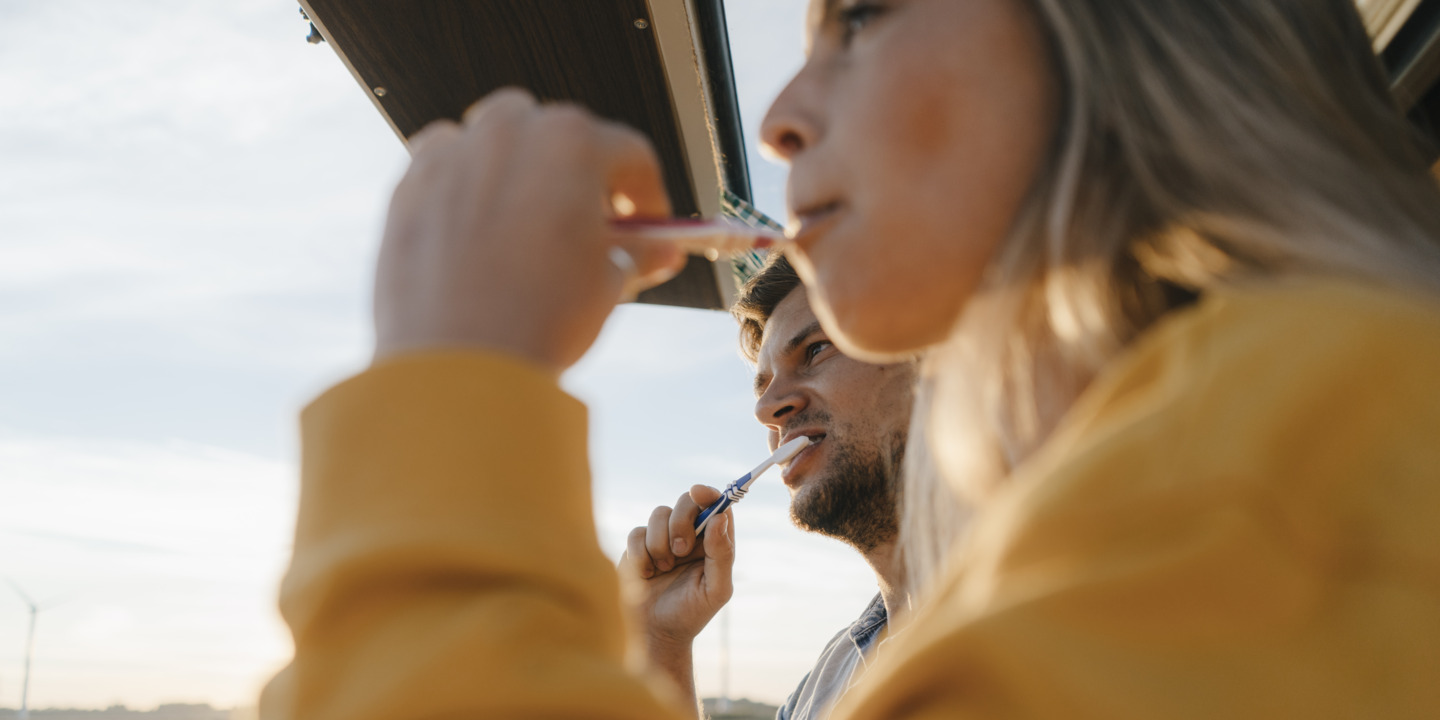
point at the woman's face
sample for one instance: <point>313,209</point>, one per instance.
<point>914,131</point>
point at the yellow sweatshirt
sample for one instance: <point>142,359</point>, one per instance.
<point>1239,519</point>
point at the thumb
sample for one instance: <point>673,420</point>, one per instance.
<point>655,262</point>
<point>720,558</point>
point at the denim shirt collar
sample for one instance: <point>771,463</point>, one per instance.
<point>868,627</point>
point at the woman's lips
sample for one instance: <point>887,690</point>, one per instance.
<point>791,476</point>
<point>809,223</point>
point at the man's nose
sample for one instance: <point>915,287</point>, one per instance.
<point>779,402</point>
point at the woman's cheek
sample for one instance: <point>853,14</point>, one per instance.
<point>823,289</point>
<point>878,312</point>
<point>923,118</point>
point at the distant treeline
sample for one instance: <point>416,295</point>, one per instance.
<point>170,711</point>
<point>738,710</point>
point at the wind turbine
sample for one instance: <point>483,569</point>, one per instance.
<point>724,705</point>
<point>29,650</point>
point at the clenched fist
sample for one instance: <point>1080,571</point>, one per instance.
<point>498,234</point>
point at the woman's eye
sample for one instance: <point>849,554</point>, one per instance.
<point>853,19</point>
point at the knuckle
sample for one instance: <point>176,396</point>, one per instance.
<point>623,134</point>
<point>630,143</point>
<point>569,124</point>
<point>511,94</point>
<point>433,134</point>
<point>437,126</point>
<point>569,114</point>
<point>504,108</point>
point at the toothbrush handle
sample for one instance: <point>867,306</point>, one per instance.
<point>732,494</point>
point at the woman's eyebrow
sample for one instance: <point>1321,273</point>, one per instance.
<point>818,21</point>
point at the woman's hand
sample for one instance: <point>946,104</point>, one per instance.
<point>498,235</point>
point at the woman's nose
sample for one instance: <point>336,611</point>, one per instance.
<point>787,129</point>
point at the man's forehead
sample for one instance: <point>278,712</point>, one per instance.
<point>790,316</point>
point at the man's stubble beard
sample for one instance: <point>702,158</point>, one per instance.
<point>857,501</point>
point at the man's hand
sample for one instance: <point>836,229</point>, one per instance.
<point>675,583</point>
<point>498,235</point>
<point>686,582</point>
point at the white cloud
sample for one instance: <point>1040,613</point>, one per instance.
<point>765,38</point>
<point>185,71</point>
<point>161,564</point>
<point>191,200</point>
<point>185,164</point>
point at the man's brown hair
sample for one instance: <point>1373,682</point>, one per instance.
<point>758,299</point>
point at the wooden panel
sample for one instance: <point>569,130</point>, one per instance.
<point>435,58</point>
<point>1412,58</point>
<point>729,134</point>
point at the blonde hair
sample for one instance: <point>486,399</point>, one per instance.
<point>1201,143</point>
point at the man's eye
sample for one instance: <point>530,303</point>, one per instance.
<point>815,348</point>
<point>853,19</point>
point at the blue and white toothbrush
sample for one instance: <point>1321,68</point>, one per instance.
<point>736,490</point>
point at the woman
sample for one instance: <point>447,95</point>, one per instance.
<point>1177,267</point>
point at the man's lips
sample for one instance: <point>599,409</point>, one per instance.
<point>816,438</point>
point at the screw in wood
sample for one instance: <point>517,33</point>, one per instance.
<point>380,92</point>
<point>642,23</point>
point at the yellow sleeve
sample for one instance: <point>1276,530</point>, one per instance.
<point>1243,522</point>
<point>445,560</point>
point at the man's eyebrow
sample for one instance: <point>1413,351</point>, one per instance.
<point>763,379</point>
<point>799,338</point>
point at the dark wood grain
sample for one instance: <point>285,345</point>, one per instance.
<point>436,57</point>
<point>1413,61</point>
<point>729,134</point>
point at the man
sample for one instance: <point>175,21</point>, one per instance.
<point>844,485</point>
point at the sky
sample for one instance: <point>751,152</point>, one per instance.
<point>191,199</point>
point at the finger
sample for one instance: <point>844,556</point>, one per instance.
<point>633,169</point>
<point>437,133</point>
<point>704,495</point>
<point>505,101</point>
<point>636,556</point>
<point>720,557</point>
<point>493,128</point>
<point>624,262</point>
<point>634,177</point>
<point>682,520</point>
<point>428,150</point>
<point>682,526</point>
<point>654,263</point>
<point>657,539</point>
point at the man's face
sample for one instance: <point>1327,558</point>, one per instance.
<point>845,483</point>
